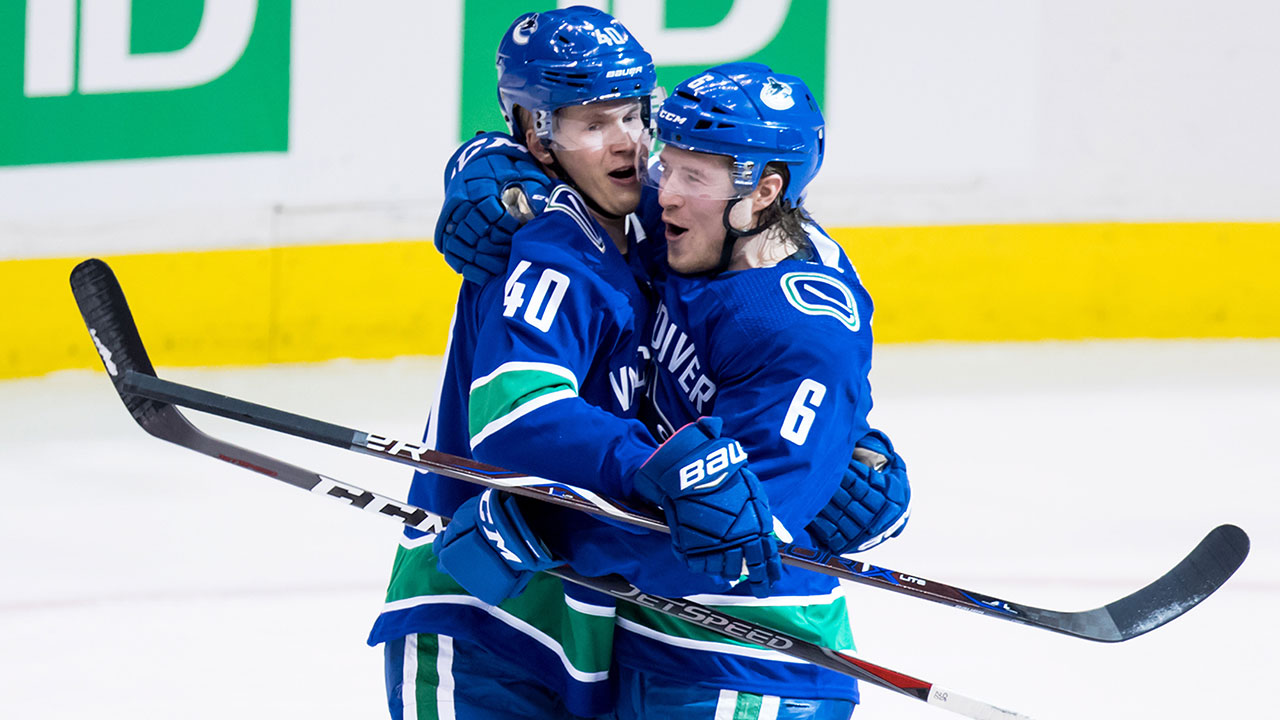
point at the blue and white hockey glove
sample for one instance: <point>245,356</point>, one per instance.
<point>716,508</point>
<point>489,549</point>
<point>492,186</point>
<point>872,503</point>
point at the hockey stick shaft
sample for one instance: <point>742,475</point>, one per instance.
<point>110,325</point>
<point>1198,575</point>
<point>694,613</point>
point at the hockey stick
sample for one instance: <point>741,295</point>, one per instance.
<point>1198,575</point>
<point>1193,579</point>
<point>115,335</point>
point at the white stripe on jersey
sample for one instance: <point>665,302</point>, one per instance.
<point>726,704</point>
<point>588,609</point>
<point>444,671</point>
<point>516,366</point>
<point>409,543</point>
<point>828,250</point>
<point>518,413</point>
<point>634,228</point>
<point>507,618</point>
<point>409,679</point>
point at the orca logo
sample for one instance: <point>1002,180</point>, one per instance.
<point>816,294</point>
<point>525,30</point>
<point>777,95</point>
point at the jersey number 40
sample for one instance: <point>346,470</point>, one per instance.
<point>545,302</point>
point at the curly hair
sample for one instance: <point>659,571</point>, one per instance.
<point>789,219</point>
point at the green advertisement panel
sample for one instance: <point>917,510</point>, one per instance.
<point>790,37</point>
<point>84,80</point>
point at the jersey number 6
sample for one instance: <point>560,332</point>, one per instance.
<point>547,294</point>
<point>803,411</point>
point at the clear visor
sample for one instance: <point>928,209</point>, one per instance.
<point>601,125</point>
<point>693,174</point>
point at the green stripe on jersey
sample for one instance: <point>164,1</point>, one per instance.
<point>824,623</point>
<point>502,394</point>
<point>586,639</point>
<point>426,681</point>
<point>747,707</point>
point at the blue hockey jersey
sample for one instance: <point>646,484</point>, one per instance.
<point>543,376</point>
<point>782,355</point>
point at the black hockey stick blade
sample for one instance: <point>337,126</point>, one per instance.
<point>106,313</point>
<point>114,334</point>
<point>1209,565</point>
<point>1203,571</point>
<point>111,327</point>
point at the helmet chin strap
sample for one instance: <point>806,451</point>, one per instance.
<point>731,237</point>
<point>567,179</point>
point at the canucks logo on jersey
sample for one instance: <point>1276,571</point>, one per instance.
<point>816,294</point>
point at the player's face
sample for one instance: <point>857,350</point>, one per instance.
<point>694,189</point>
<point>601,146</point>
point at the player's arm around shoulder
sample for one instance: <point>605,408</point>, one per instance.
<point>492,186</point>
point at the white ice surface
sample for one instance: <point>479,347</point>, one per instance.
<point>141,580</point>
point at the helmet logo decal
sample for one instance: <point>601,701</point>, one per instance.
<point>521,33</point>
<point>817,294</point>
<point>777,95</point>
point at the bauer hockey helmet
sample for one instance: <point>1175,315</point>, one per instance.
<point>572,56</point>
<point>753,115</point>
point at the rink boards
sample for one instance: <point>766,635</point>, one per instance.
<point>385,299</point>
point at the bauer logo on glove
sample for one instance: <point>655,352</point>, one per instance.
<point>715,506</point>
<point>720,461</point>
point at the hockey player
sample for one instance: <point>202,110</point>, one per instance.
<point>542,373</point>
<point>759,324</point>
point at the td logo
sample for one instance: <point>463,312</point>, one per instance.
<point>684,38</point>
<point>119,79</point>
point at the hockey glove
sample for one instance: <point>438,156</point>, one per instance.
<point>492,186</point>
<point>489,549</point>
<point>872,503</point>
<point>716,508</point>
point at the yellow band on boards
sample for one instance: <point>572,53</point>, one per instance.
<point>1070,281</point>
<point>380,300</point>
<point>240,307</point>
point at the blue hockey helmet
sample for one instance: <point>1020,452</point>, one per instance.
<point>571,56</point>
<point>753,115</point>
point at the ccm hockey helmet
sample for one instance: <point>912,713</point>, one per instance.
<point>753,115</point>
